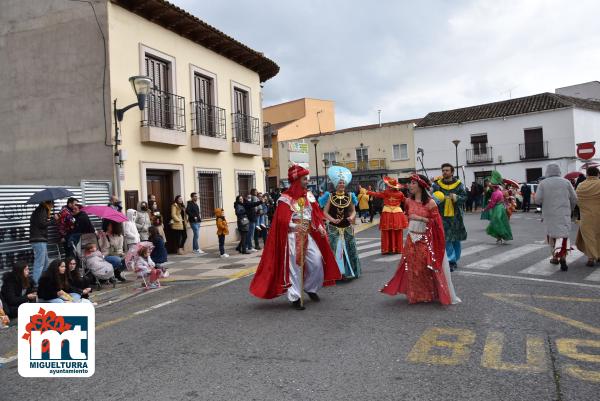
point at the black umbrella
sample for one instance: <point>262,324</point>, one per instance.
<point>49,194</point>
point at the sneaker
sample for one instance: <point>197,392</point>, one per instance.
<point>199,252</point>
<point>257,228</point>
<point>264,227</point>
<point>224,255</point>
<point>152,286</point>
<point>252,250</point>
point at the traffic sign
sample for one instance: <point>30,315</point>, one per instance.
<point>586,150</point>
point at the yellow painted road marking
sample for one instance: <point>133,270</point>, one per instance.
<point>535,349</point>
<point>552,297</point>
<point>552,315</point>
<point>570,348</point>
<point>460,351</point>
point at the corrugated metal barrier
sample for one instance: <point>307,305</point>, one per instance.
<point>14,219</point>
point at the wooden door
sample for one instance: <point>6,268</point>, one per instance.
<point>160,184</point>
<point>241,110</point>
<point>203,95</point>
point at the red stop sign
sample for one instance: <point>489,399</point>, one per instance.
<point>586,150</point>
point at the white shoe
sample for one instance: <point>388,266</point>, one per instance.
<point>199,252</point>
<point>224,255</point>
<point>252,250</point>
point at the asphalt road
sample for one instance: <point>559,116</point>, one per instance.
<point>532,335</point>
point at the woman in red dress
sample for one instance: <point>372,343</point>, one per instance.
<point>393,220</point>
<point>423,273</point>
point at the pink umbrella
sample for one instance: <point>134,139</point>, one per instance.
<point>105,212</point>
<point>573,175</point>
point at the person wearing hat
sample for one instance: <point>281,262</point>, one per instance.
<point>297,257</point>
<point>393,221</point>
<point>340,213</point>
<point>423,273</point>
<point>499,226</point>
<point>454,197</point>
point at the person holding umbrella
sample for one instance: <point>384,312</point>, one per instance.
<point>39,221</point>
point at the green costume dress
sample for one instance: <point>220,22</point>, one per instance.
<point>452,214</point>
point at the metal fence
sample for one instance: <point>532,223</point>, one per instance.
<point>14,219</point>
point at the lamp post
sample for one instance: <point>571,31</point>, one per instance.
<point>325,166</point>
<point>141,86</point>
<point>456,142</point>
<point>315,141</point>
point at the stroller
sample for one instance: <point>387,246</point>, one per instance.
<point>81,263</point>
<point>131,261</point>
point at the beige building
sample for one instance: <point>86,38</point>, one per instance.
<point>201,127</point>
<point>293,120</point>
<point>370,152</point>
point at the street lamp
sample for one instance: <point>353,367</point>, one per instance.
<point>141,87</point>
<point>315,141</point>
<point>325,165</point>
<point>456,142</point>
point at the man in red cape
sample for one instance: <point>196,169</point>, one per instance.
<point>297,235</point>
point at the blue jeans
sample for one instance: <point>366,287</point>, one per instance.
<point>221,244</point>
<point>250,234</point>
<point>116,262</point>
<point>196,231</point>
<point>453,250</point>
<point>40,259</point>
<point>76,298</point>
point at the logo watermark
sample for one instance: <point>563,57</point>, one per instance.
<point>56,340</point>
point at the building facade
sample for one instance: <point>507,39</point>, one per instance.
<point>517,137</point>
<point>370,152</point>
<point>201,127</point>
<point>293,120</point>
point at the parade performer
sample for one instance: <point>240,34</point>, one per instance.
<point>340,212</point>
<point>499,226</point>
<point>450,208</point>
<point>297,256</point>
<point>393,220</point>
<point>487,194</point>
<point>424,272</point>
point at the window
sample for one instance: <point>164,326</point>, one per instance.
<point>534,146</point>
<point>209,192</point>
<point>479,143</point>
<point>400,152</point>
<point>245,182</point>
<point>533,174</point>
<point>362,158</point>
<point>330,157</point>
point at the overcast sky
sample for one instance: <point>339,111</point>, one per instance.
<point>408,58</point>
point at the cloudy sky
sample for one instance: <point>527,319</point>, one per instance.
<point>407,57</point>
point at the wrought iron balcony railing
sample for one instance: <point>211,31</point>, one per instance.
<point>164,110</point>
<point>533,150</point>
<point>245,128</point>
<point>363,165</point>
<point>480,155</point>
<point>208,120</point>
<point>268,132</point>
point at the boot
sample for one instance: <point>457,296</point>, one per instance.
<point>119,276</point>
<point>296,305</point>
<point>313,296</point>
<point>563,264</point>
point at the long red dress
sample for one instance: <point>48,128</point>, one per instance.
<point>420,274</point>
<point>393,220</point>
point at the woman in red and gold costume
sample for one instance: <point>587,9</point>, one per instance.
<point>297,257</point>
<point>393,220</point>
<point>424,272</point>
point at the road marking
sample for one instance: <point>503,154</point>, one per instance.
<point>391,258</point>
<point>546,313</point>
<point>535,350</point>
<point>459,348</point>
<point>360,248</point>
<point>8,359</point>
<point>569,348</point>
<point>370,253</point>
<point>595,276</point>
<point>154,307</point>
<point>539,280</point>
<point>545,268</point>
<point>475,249</point>
<point>488,263</point>
<point>552,297</point>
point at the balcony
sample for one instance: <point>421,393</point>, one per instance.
<point>208,127</point>
<point>246,139</point>
<point>363,165</point>
<point>480,155</point>
<point>533,150</point>
<point>164,119</point>
<point>268,132</point>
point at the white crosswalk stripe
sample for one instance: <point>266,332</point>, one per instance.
<point>508,255</point>
<point>595,276</point>
<point>391,258</point>
<point>545,268</point>
<point>367,246</point>
<point>369,253</point>
<point>475,249</point>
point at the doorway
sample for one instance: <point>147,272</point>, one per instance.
<point>160,184</point>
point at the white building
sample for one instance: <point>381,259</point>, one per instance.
<point>517,137</point>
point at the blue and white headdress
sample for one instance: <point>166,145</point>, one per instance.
<point>339,173</point>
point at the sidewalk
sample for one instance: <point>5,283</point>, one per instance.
<point>192,267</point>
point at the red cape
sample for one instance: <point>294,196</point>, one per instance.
<point>272,273</point>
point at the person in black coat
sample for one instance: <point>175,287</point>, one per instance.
<point>242,223</point>
<point>159,253</point>
<point>54,286</point>
<point>77,283</point>
<point>193,212</point>
<point>38,237</point>
<point>17,289</point>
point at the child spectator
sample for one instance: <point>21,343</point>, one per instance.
<point>222,231</point>
<point>17,289</point>
<point>130,231</point>
<point>100,268</point>
<point>159,253</point>
<point>145,268</point>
